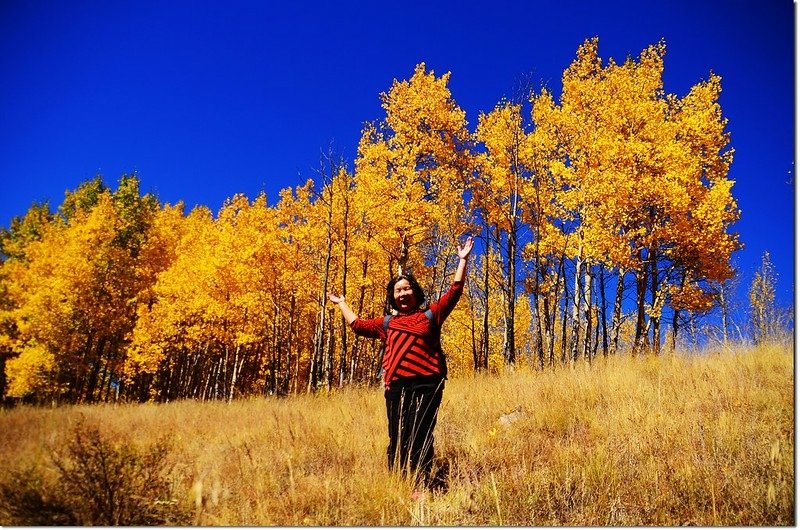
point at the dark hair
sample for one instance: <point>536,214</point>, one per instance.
<point>419,294</point>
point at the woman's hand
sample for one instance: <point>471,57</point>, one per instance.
<point>335,298</point>
<point>464,251</point>
<point>347,313</point>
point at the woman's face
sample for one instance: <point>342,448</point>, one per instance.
<point>404,296</point>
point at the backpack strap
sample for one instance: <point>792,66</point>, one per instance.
<point>438,339</point>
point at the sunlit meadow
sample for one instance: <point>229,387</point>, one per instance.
<point>680,439</point>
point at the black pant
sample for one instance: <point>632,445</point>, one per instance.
<point>412,408</point>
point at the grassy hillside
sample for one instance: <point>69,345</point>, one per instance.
<point>704,440</point>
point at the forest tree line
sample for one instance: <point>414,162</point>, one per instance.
<point>603,220</point>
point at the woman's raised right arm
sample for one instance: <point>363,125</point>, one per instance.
<point>347,313</point>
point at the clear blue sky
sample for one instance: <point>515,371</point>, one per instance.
<point>207,99</point>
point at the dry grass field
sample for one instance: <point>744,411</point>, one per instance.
<point>675,440</point>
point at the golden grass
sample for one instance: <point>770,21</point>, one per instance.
<point>704,440</point>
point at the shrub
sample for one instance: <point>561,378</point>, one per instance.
<point>27,498</point>
<point>97,482</point>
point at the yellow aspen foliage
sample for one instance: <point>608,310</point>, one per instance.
<point>764,314</point>
<point>32,371</point>
<point>643,173</point>
<point>459,340</point>
<point>690,297</point>
<point>161,248</point>
<point>73,294</point>
<point>24,231</point>
<point>704,231</point>
<point>172,318</point>
<point>524,340</point>
<point>607,125</point>
<point>503,183</point>
<point>413,166</point>
<point>614,175</point>
<point>513,193</point>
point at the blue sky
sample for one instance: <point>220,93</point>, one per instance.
<point>207,99</point>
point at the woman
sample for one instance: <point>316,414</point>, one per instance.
<point>414,364</point>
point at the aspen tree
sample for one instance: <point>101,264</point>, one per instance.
<point>502,185</point>
<point>763,314</point>
<point>645,179</point>
<point>13,248</point>
<point>413,166</point>
<point>71,294</point>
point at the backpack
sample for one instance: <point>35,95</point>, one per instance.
<point>438,345</point>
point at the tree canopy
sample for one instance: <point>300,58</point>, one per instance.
<point>613,185</point>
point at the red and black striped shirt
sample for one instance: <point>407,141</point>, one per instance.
<point>412,340</point>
